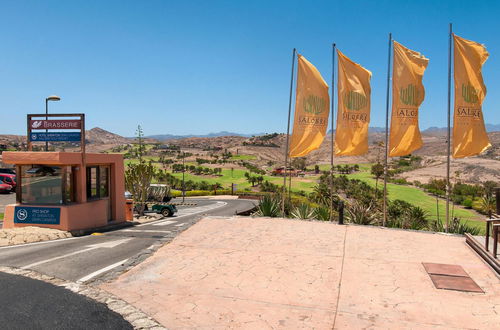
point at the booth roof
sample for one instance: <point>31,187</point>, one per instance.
<point>58,158</point>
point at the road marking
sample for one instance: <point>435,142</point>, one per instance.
<point>57,258</point>
<point>180,224</point>
<point>181,214</point>
<point>192,211</point>
<point>38,243</point>
<point>165,222</point>
<point>100,271</point>
<point>89,248</point>
<point>147,231</point>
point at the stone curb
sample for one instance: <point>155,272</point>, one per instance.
<point>138,319</point>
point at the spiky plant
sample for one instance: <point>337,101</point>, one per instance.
<point>322,213</point>
<point>269,206</point>
<point>455,227</point>
<point>302,211</point>
<point>361,214</point>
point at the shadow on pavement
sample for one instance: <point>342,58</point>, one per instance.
<point>33,304</point>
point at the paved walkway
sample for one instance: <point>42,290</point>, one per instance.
<point>256,273</point>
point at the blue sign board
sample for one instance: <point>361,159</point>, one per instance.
<point>37,215</point>
<point>56,137</point>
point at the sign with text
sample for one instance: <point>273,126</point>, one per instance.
<point>37,215</point>
<point>55,124</point>
<point>56,137</point>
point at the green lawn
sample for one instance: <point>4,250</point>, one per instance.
<point>243,157</point>
<point>238,176</point>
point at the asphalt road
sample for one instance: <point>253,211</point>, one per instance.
<point>103,257</point>
<point>31,304</point>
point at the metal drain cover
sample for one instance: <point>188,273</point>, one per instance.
<point>451,277</point>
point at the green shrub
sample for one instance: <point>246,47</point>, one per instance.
<point>401,214</point>
<point>467,203</point>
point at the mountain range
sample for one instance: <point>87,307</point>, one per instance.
<point>374,129</point>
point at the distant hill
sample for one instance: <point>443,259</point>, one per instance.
<point>442,130</point>
<point>98,135</point>
<point>164,137</point>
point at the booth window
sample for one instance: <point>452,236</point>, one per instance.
<point>46,184</point>
<point>97,182</point>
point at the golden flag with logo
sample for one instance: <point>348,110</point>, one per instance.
<point>407,94</point>
<point>353,114</point>
<point>469,133</point>
<point>311,110</point>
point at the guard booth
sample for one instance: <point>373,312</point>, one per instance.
<point>66,190</point>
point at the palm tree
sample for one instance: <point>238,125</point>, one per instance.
<point>488,205</point>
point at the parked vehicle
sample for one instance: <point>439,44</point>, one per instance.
<point>5,188</point>
<point>157,202</point>
<point>8,170</point>
<point>9,179</point>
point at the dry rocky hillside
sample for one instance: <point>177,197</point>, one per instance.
<point>271,147</point>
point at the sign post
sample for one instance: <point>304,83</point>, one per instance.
<point>45,123</point>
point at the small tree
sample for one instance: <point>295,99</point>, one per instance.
<point>377,171</point>
<point>138,178</point>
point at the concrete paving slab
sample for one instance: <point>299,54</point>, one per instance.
<point>261,273</point>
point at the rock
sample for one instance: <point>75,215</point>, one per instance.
<point>30,234</point>
<point>32,238</point>
<point>17,239</point>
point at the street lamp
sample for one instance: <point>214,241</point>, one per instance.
<point>50,98</point>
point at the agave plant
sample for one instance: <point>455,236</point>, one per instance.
<point>269,206</point>
<point>322,213</point>
<point>360,214</point>
<point>302,211</point>
<point>455,227</point>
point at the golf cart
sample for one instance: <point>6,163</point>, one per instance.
<point>158,201</point>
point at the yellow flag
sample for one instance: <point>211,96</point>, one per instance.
<point>351,135</point>
<point>407,94</point>
<point>469,133</point>
<point>311,110</point>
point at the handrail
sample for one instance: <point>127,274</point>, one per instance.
<point>496,227</point>
<point>487,238</point>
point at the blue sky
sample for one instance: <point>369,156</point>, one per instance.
<point>194,67</point>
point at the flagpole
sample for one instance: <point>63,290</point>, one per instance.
<point>387,129</point>
<point>449,136</point>
<point>288,134</point>
<point>333,121</point>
